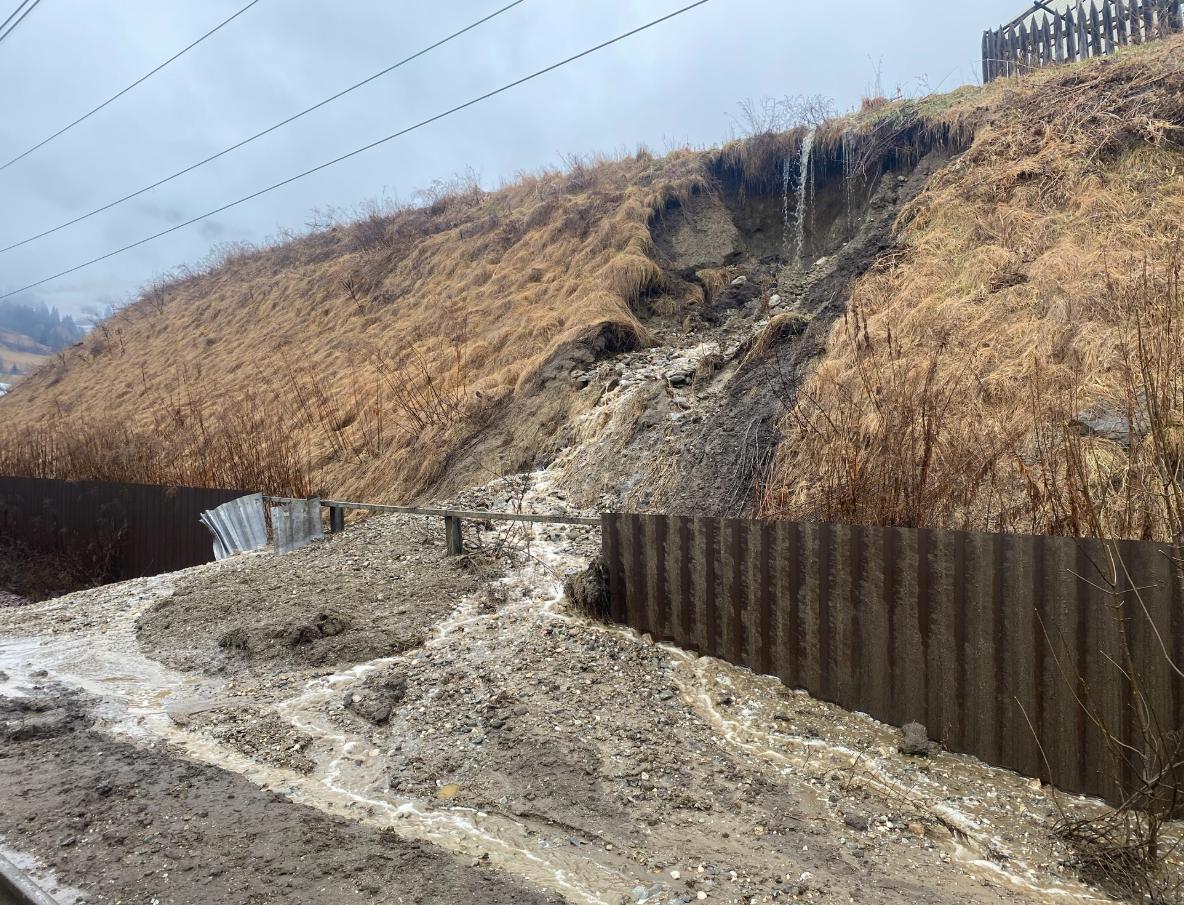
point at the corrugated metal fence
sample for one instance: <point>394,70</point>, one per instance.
<point>973,635</point>
<point>136,529</point>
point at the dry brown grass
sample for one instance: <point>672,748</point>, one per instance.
<point>378,346</point>
<point>1031,273</point>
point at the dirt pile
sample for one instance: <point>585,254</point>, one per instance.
<point>374,591</point>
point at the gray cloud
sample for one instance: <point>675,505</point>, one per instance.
<point>678,82</point>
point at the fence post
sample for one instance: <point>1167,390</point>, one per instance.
<point>336,519</point>
<point>456,544</point>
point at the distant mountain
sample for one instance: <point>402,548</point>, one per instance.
<point>41,324</point>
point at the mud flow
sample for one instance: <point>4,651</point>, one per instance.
<point>518,749</point>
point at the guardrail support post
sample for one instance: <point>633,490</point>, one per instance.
<point>336,519</point>
<point>456,544</point>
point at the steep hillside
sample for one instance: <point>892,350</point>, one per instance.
<point>958,310</point>
<point>1016,363</point>
<point>376,346</point>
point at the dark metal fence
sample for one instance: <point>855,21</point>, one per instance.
<point>976,636</point>
<point>1049,37</point>
<point>127,530</point>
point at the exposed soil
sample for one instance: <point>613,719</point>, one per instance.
<point>714,465</point>
<point>374,591</point>
<point>130,823</point>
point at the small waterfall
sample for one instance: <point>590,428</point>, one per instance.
<point>805,188</point>
<point>786,179</point>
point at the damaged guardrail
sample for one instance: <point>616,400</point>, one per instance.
<point>452,517</point>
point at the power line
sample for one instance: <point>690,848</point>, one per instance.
<point>268,130</point>
<point>5,34</point>
<point>119,94</point>
<point>12,15</point>
<point>364,148</point>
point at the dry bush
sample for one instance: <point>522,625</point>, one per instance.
<point>235,447</point>
<point>771,115</point>
<point>49,572</point>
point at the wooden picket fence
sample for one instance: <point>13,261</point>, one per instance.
<point>1076,34</point>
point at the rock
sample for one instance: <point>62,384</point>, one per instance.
<point>739,281</point>
<point>774,300</point>
<point>378,698</point>
<point>856,821</point>
<point>1113,426</point>
<point>588,591</point>
<point>914,741</point>
<point>680,379</point>
<point>735,296</point>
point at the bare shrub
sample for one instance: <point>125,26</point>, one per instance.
<point>770,115</point>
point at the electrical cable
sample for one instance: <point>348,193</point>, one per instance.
<point>267,131</point>
<point>364,148</point>
<point>120,94</point>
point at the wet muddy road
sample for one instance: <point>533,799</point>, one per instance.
<point>506,749</point>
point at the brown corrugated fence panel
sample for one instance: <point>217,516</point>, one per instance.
<point>992,641</point>
<point>148,529</point>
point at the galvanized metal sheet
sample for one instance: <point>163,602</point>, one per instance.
<point>296,524</point>
<point>238,526</point>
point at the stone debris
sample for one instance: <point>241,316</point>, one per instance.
<point>914,741</point>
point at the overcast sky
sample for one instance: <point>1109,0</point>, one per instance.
<point>678,83</point>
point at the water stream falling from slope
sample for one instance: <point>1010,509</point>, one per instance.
<point>805,184</point>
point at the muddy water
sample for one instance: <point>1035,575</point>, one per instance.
<point>135,693</point>
<point>350,777</point>
<point>138,694</point>
<point>968,835</point>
